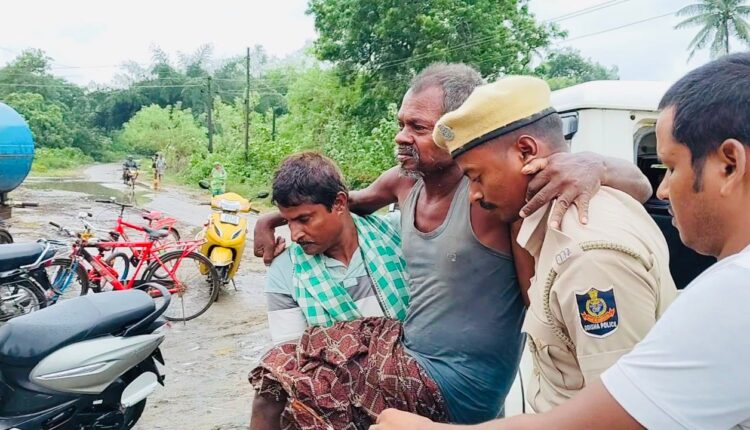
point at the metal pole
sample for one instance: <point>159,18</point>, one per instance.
<point>210,118</point>
<point>247,106</point>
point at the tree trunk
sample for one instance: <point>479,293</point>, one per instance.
<point>726,41</point>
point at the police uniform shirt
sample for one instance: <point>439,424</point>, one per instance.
<point>692,371</point>
<point>598,289</point>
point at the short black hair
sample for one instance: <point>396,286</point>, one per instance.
<point>307,177</point>
<point>550,129</point>
<point>711,104</point>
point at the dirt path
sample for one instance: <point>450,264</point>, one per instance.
<point>207,360</point>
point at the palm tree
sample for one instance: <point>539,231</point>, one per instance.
<point>720,19</point>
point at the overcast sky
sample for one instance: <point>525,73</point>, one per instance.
<point>89,39</point>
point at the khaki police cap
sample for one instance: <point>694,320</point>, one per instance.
<point>493,110</point>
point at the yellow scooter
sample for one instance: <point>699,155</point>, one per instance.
<point>225,233</point>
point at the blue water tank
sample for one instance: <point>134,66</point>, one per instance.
<point>16,149</point>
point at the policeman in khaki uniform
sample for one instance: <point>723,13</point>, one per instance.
<point>599,287</point>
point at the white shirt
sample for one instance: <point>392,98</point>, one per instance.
<point>692,371</point>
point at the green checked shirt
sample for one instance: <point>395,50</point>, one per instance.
<point>286,318</point>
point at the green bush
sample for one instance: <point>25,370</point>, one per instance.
<point>49,159</point>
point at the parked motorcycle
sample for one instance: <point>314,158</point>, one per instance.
<point>23,280</point>
<point>226,232</point>
<point>5,236</point>
<point>85,363</point>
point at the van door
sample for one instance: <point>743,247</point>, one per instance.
<point>684,263</point>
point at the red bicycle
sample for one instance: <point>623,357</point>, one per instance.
<point>188,275</point>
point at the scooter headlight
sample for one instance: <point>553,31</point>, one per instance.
<point>237,234</point>
<point>217,231</point>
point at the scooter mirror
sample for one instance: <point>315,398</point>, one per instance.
<point>203,184</point>
<point>262,195</point>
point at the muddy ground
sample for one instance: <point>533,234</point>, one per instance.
<point>207,359</point>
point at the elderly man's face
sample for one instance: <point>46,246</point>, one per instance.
<point>416,152</point>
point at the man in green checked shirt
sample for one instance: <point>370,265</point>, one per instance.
<point>344,278</point>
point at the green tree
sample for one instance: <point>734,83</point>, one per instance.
<point>566,67</point>
<point>169,129</point>
<point>720,21</point>
<point>46,120</point>
<point>380,44</point>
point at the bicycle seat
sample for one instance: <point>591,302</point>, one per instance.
<point>25,340</point>
<point>153,216</point>
<point>15,255</point>
<point>155,234</point>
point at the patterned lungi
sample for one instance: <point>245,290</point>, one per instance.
<point>343,376</point>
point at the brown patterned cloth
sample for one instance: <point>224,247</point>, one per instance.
<point>343,376</point>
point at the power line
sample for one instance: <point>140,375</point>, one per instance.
<point>619,27</point>
<point>587,10</point>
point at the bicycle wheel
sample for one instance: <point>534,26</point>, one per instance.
<point>73,282</point>
<point>20,298</point>
<point>195,291</point>
<point>121,263</point>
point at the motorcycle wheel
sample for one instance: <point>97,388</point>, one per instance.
<point>32,298</point>
<point>5,237</point>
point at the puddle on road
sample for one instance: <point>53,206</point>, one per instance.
<point>94,190</point>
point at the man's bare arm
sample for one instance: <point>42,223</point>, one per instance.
<point>384,191</point>
<point>575,178</point>
<point>582,412</point>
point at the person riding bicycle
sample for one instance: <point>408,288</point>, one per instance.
<point>129,164</point>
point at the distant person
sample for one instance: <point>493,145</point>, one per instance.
<point>129,163</point>
<point>160,166</point>
<point>218,179</point>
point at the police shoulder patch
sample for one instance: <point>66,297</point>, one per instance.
<point>597,310</point>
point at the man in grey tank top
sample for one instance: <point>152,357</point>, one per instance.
<point>463,327</point>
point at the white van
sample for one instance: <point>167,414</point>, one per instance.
<point>617,119</point>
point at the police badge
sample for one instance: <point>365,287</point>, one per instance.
<point>446,132</point>
<point>598,312</point>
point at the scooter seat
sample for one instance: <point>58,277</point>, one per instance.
<point>15,255</point>
<point>25,340</point>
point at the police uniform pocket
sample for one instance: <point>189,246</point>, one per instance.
<point>555,362</point>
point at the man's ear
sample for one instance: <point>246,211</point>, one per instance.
<point>732,157</point>
<point>341,202</point>
<point>528,147</point>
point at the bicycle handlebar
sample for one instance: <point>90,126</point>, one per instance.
<point>125,205</point>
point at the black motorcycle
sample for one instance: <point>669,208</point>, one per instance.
<point>23,280</point>
<point>85,363</point>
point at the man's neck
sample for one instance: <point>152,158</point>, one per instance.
<point>348,242</point>
<point>442,183</point>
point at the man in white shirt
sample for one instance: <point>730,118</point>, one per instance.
<point>692,371</point>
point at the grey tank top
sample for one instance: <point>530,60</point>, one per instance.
<point>465,315</point>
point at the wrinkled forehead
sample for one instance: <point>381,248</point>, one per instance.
<point>425,104</point>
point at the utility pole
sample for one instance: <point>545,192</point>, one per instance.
<point>210,121</point>
<point>273,124</point>
<point>247,105</point>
